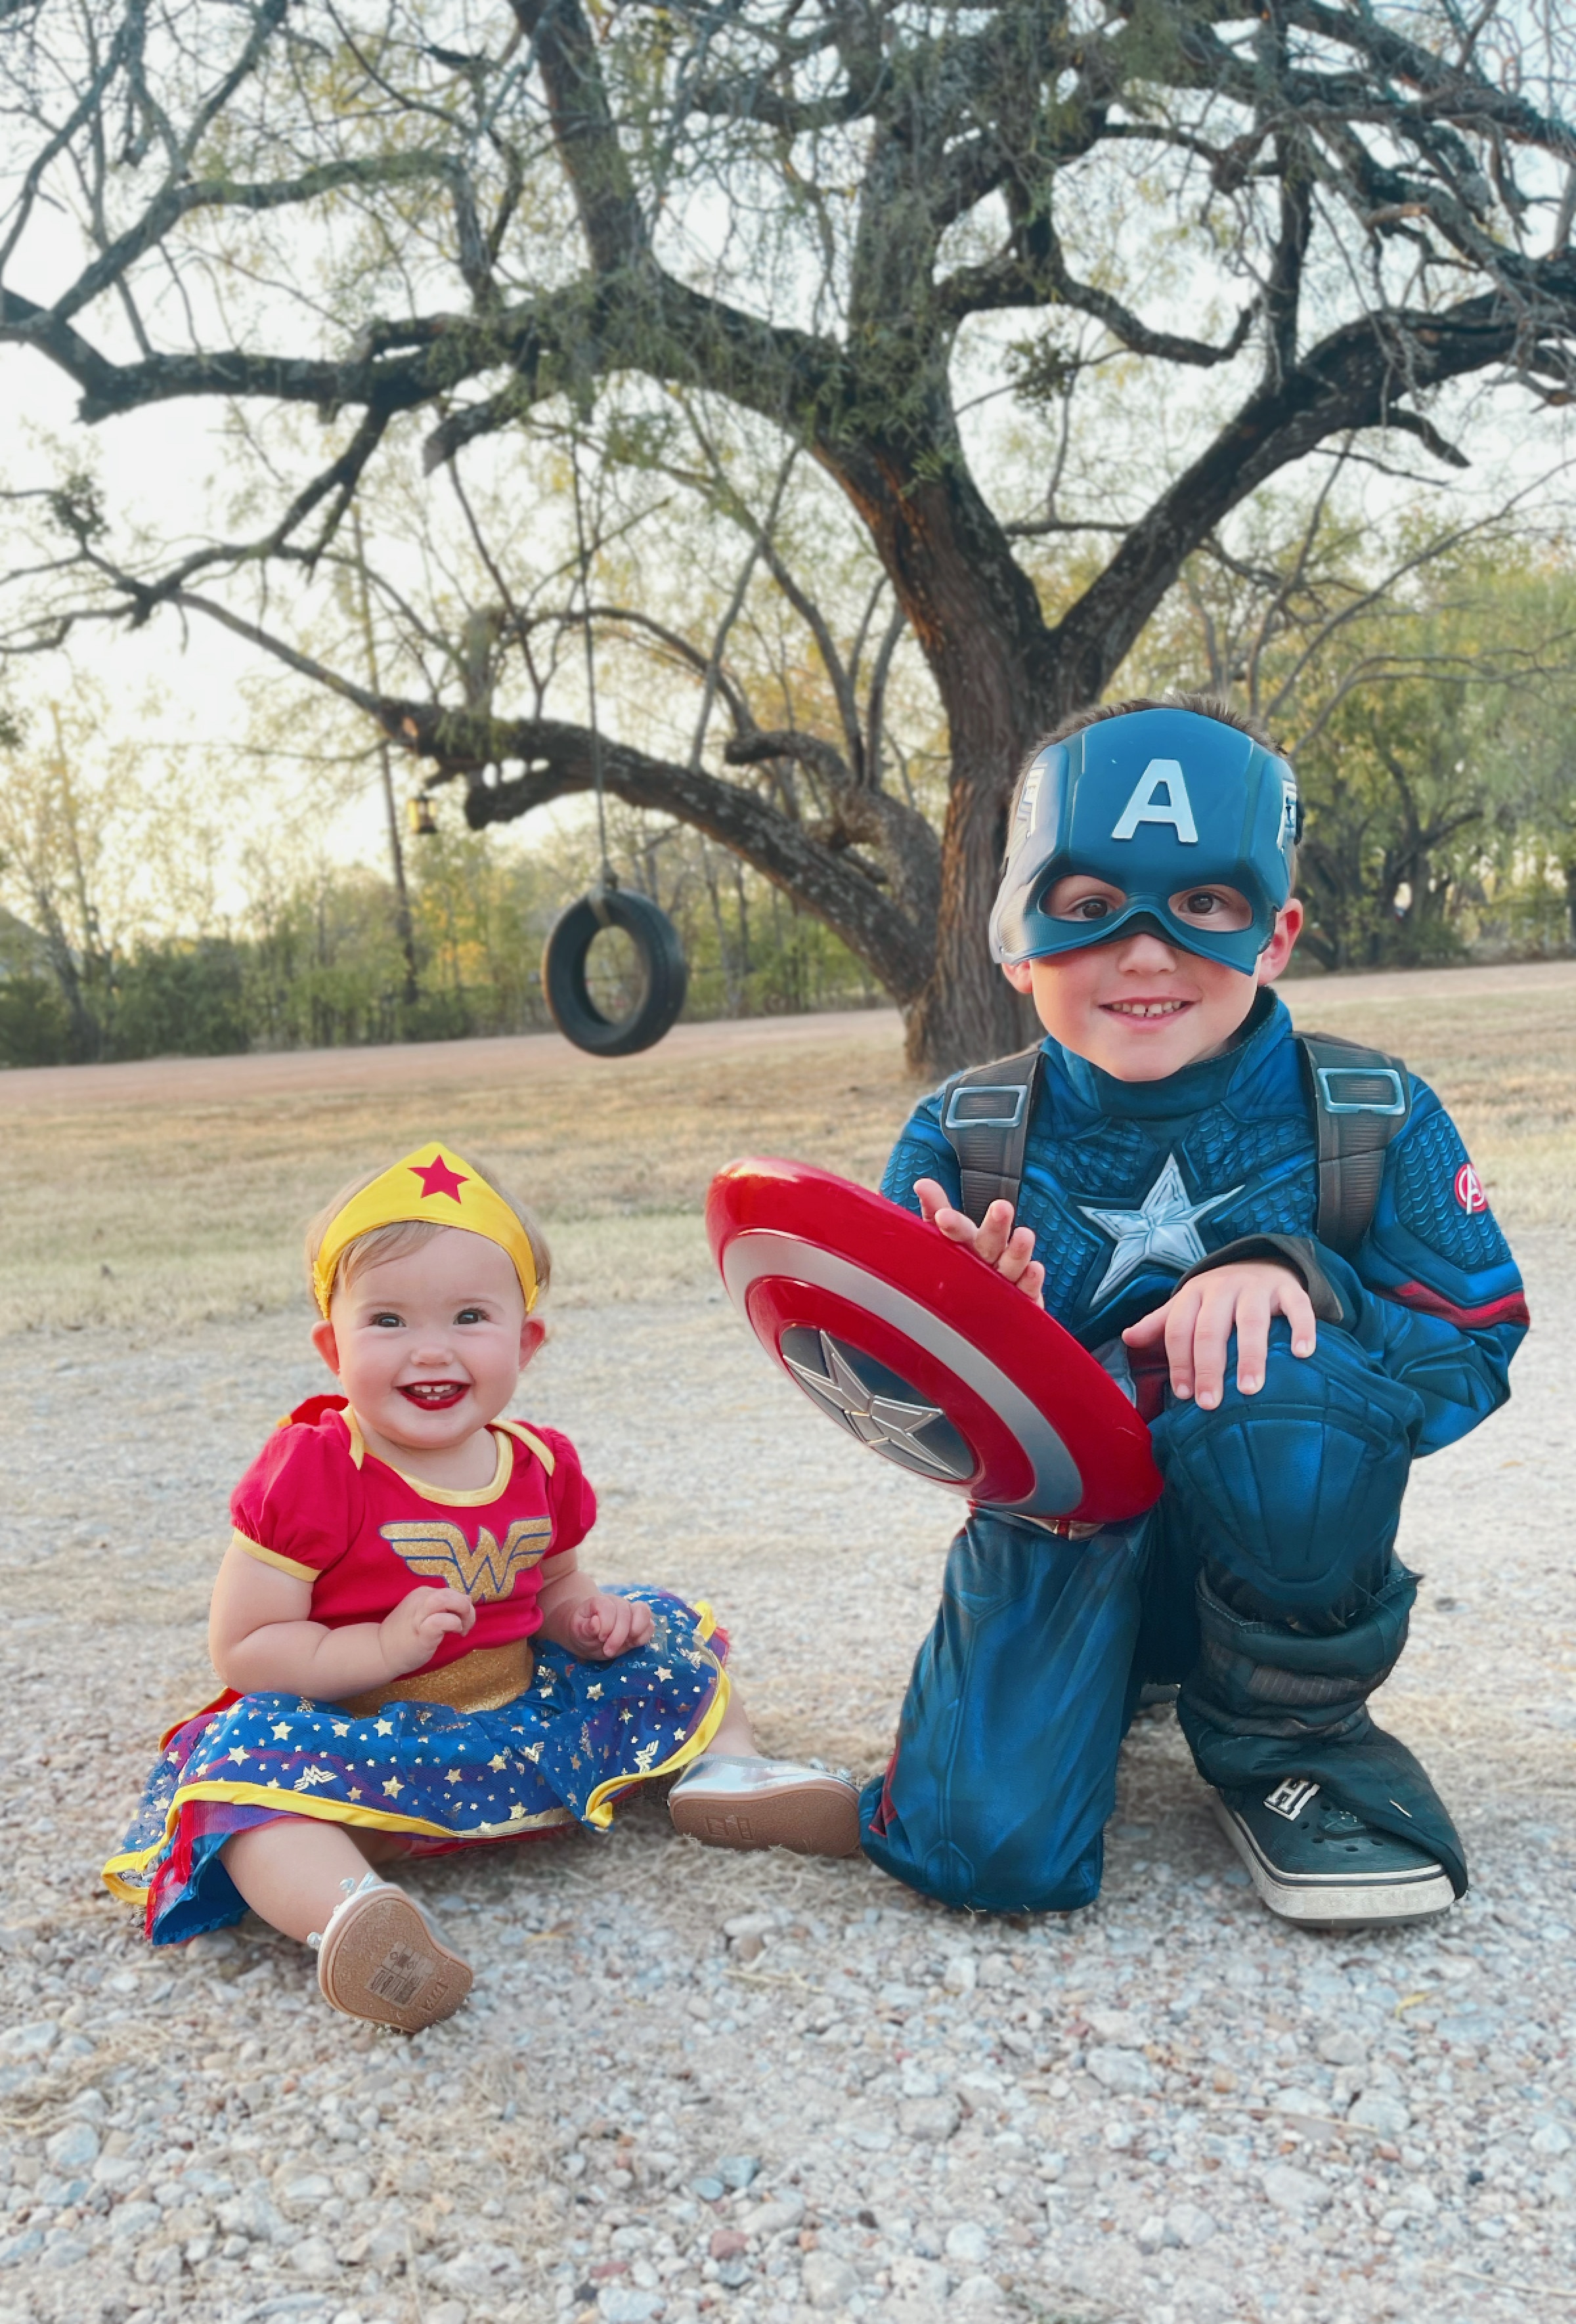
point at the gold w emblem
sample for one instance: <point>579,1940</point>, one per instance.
<point>437,1547</point>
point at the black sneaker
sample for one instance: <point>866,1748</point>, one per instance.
<point>1318,1864</point>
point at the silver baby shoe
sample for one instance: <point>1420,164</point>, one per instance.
<point>728,1802</point>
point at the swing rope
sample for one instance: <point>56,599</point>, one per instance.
<point>608,878</point>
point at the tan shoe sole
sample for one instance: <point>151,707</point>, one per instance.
<point>380,1961</point>
<point>818,1816</point>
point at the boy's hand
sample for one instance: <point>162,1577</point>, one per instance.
<point>1199,1320</point>
<point>1009,1250</point>
<point>604,1625</point>
<point>413,1633</point>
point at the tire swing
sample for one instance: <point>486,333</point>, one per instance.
<point>662,972</point>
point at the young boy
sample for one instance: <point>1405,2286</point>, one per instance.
<point>1296,1236</point>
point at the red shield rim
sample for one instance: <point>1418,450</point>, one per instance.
<point>1050,1433</point>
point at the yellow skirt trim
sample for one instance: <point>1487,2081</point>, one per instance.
<point>326,1812</point>
<point>599,1806</point>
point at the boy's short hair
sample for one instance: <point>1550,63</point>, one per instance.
<point>406,1235</point>
<point>1202,706</point>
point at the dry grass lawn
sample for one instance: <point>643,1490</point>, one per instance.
<point>136,1197</point>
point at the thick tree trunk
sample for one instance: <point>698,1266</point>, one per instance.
<point>968,1011</point>
<point>977,621</point>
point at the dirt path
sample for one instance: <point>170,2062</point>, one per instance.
<point>179,1081</point>
<point>525,1058</point>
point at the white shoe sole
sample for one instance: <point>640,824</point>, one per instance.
<point>1329,1902</point>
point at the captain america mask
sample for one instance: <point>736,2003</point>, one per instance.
<point>1158,805</point>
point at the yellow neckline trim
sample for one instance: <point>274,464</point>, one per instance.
<point>502,1469</point>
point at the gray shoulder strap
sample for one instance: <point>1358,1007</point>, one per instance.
<point>1361,1099</point>
<point>985,1119</point>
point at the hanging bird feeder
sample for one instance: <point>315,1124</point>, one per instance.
<point>649,1001</point>
<point>420,820</point>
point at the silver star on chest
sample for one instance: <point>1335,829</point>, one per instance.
<point>885,1423</point>
<point>1163,1228</point>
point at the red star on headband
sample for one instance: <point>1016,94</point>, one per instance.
<point>438,1178</point>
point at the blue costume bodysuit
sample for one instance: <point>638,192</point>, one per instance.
<point>1266,1579</point>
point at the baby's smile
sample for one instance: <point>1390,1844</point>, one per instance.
<point>1145,1007</point>
<point>435,1395</point>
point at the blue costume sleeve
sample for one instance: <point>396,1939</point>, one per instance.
<point>1433,1291</point>
<point>922,1151</point>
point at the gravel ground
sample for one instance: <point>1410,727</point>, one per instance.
<point>756,2090</point>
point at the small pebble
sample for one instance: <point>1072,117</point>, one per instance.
<point>1188,2227</point>
<point>74,2148</point>
<point>1290,2189</point>
<point>967,2244</point>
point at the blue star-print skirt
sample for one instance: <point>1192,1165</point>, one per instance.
<point>560,1752</point>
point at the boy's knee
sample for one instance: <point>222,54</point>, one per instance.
<point>1005,1771</point>
<point>971,1861</point>
<point>1296,1492</point>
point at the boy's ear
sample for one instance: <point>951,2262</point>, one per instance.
<point>1019,974</point>
<point>1273,959</point>
<point>532,1335</point>
<point>327,1346</point>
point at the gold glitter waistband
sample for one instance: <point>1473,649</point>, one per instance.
<point>483,1680</point>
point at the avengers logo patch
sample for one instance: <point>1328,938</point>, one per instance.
<point>1470,1189</point>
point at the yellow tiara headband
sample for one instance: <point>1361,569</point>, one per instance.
<point>433,1186</point>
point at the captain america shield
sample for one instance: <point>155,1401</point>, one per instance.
<point>923,1352</point>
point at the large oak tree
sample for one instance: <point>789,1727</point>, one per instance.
<point>1290,223</point>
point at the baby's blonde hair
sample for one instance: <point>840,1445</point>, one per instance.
<point>406,1235</point>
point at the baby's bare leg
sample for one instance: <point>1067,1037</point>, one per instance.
<point>291,1872</point>
<point>733,1733</point>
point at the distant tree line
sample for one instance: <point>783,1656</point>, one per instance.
<point>1426,697</point>
<point>318,962</point>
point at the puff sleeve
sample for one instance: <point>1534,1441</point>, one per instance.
<point>570,1501</point>
<point>292,1509</point>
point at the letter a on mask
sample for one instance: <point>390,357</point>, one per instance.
<point>1144,807</point>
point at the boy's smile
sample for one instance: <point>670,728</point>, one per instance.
<point>1139,1007</point>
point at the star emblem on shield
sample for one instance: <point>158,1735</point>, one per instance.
<point>886,1424</point>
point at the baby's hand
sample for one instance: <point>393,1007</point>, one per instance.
<point>1009,1250</point>
<point>412,1635</point>
<point>1197,1321</point>
<point>602,1626</point>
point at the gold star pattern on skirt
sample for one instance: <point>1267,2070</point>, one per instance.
<point>562,1752</point>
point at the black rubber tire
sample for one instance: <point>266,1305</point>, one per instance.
<point>563,973</point>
